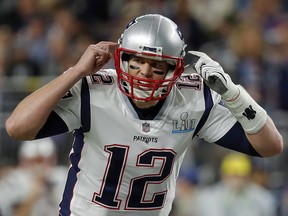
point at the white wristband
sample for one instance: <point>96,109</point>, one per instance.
<point>251,115</point>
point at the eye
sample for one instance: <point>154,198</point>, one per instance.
<point>159,65</point>
<point>159,68</point>
<point>133,67</point>
<point>138,60</point>
<point>158,72</point>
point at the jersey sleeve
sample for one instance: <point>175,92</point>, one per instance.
<point>69,107</point>
<point>235,139</point>
<point>219,121</point>
<point>49,128</point>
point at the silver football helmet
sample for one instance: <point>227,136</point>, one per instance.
<point>150,36</point>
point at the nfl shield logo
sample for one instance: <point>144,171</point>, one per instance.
<point>145,127</point>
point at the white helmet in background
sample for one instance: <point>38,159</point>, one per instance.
<point>150,36</point>
<point>43,148</point>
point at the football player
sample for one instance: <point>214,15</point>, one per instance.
<point>133,124</point>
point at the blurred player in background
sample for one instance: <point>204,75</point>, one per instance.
<point>133,125</point>
<point>36,185</point>
<point>235,194</point>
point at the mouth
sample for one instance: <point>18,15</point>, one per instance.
<point>143,85</point>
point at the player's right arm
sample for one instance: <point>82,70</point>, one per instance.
<point>32,112</point>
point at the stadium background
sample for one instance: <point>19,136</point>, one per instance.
<point>39,39</point>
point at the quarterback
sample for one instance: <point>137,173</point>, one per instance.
<point>133,124</point>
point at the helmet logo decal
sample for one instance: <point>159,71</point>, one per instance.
<point>150,49</point>
<point>130,24</point>
<point>180,34</point>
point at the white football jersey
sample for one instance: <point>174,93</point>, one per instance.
<point>127,166</point>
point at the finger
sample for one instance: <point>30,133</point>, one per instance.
<point>219,76</point>
<point>111,45</point>
<point>100,51</point>
<point>199,66</point>
<point>208,71</point>
<point>199,54</point>
<point>108,47</point>
<point>108,58</point>
<point>193,66</point>
<point>102,59</point>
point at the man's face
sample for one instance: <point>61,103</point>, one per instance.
<point>147,68</point>
<point>148,77</point>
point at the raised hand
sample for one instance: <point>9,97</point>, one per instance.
<point>214,75</point>
<point>95,57</point>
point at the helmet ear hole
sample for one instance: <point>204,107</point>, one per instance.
<point>171,67</point>
<point>125,57</point>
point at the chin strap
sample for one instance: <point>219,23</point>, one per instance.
<point>141,93</point>
<point>251,115</point>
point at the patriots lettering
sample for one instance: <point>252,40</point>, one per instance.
<point>145,139</point>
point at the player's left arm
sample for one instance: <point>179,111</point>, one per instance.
<point>259,128</point>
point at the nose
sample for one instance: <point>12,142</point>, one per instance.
<point>146,70</point>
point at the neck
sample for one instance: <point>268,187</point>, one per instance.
<point>144,104</point>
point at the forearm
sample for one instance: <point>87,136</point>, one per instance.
<point>268,141</point>
<point>31,113</point>
<point>258,126</point>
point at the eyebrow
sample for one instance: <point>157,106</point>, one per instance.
<point>147,59</point>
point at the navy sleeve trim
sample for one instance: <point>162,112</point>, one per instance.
<point>85,106</point>
<point>235,139</point>
<point>208,106</point>
<point>49,128</point>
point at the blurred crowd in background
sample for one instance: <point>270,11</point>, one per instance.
<point>40,39</point>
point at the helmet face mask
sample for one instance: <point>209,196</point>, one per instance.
<point>153,37</point>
